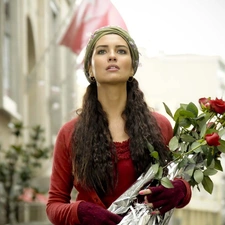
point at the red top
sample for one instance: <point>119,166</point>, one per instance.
<point>59,209</point>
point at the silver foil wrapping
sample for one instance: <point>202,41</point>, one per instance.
<point>138,213</point>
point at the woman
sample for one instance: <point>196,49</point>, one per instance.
<point>104,149</point>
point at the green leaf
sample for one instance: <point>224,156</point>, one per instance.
<point>176,156</point>
<point>155,155</point>
<point>202,120</point>
<point>196,146</point>
<point>209,172</point>
<point>186,114</point>
<point>198,188</point>
<point>187,177</point>
<point>183,147</point>
<point>187,138</point>
<point>166,182</point>
<point>198,176</point>
<point>195,134</point>
<point>203,131</point>
<point>188,171</point>
<point>168,111</point>
<point>210,157</point>
<point>176,128</point>
<point>177,114</point>
<point>184,163</point>
<point>192,108</point>
<point>150,147</point>
<point>159,173</point>
<point>212,165</point>
<point>207,184</point>
<point>221,147</point>
<point>218,165</point>
<point>155,168</point>
<point>184,122</point>
<point>173,144</point>
<point>183,106</point>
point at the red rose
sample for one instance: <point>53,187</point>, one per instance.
<point>204,102</point>
<point>212,139</point>
<point>217,106</point>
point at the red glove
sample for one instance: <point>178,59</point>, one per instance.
<point>92,214</point>
<point>163,199</point>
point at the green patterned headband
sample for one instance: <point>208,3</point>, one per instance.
<point>110,30</point>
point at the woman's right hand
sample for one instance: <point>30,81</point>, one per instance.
<point>92,214</point>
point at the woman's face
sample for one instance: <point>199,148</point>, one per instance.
<point>111,60</point>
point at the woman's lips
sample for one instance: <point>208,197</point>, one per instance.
<point>112,68</point>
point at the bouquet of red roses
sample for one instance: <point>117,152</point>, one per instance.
<point>198,140</point>
<point>196,147</point>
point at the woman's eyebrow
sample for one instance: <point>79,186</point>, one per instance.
<point>105,46</point>
<point>101,46</point>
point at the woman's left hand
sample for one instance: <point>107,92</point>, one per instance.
<point>162,199</point>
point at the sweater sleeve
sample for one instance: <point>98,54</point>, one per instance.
<point>165,126</point>
<point>188,195</point>
<point>167,132</point>
<point>59,209</point>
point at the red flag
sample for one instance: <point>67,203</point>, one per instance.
<point>89,16</point>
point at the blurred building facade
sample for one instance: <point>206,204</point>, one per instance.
<point>37,77</point>
<point>39,85</point>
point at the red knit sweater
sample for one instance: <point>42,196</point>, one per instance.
<point>60,209</point>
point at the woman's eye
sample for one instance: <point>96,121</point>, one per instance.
<point>100,52</point>
<point>122,51</point>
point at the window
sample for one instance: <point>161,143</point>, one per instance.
<point>6,51</point>
<point>10,68</point>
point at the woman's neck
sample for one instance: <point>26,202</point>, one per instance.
<point>113,99</point>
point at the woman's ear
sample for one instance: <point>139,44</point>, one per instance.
<point>90,72</point>
<point>132,71</point>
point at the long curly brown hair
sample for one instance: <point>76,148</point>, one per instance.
<point>94,155</point>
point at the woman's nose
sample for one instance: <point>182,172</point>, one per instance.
<point>112,57</point>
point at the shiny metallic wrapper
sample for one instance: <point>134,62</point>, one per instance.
<point>138,213</point>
